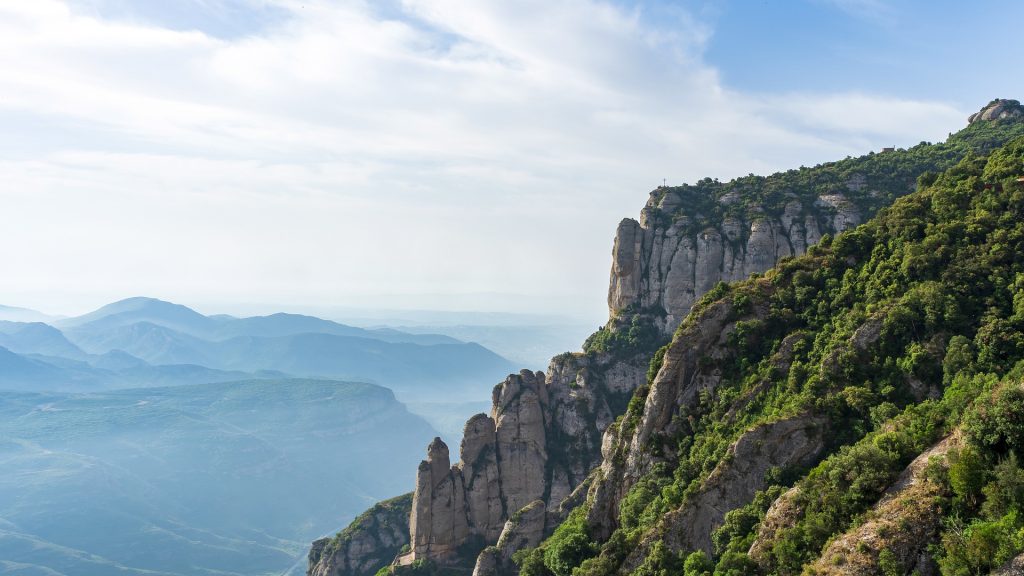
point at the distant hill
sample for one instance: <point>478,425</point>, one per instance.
<point>140,342</point>
<point>182,319</point>
<point>227,479</point>
<point>37,338</point>
<point>134,310</point>
<point>113,370</point>
<point>15,314</point>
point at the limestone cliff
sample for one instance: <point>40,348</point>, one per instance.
<point>671,257</point>
<point>522,467</point>
<point>520,462</point>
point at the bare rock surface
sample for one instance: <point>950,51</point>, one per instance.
<point>658,263</point>
<point>372,540</point>
<point>997,109</point>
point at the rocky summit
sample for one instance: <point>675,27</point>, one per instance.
<point>998,109</point>
<point>757,333</point>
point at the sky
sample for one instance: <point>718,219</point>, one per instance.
<point>474,155</point>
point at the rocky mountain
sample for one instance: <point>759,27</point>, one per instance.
<point>540,471</point>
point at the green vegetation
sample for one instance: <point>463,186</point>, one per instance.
<point>376,525</point>
<point>870,182</point>
<point>635,337</point>
<point>896,332</point>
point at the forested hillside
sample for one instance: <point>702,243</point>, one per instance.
<point>782,446</point>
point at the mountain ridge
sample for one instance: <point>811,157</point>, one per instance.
<point>560,441</point>
<point>106,348</point>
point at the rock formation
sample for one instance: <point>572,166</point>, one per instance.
<point>371,541</point>
<point>543,436</point>
<point>525,529</point>
<point>1014,567</point>
<point>523,466</point>
<point>998,109</point>
<point>664,263</point>
<point>539,442</point>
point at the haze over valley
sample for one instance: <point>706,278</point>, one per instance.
<point>147,438</point>
<point>529,288</point>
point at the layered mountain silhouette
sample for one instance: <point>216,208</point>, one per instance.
<point>145,342</point>
<point>192,480</point>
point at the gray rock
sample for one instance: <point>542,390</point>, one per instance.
<point>659,265</point>
<point>998,109</point>
<point>525,529</point>
<point>369,543</point>
<point>741,474</point>
<point>1014,567</point>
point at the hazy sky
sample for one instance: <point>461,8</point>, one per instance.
<point>466,155</point>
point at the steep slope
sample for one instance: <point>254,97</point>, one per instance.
<point>864,352</point>
<point>550,425</point>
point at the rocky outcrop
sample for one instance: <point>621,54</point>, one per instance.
<point>793,442</point>
<point>371,541</point>
<point>438,524</point>
<point>519,463</point>
<point>904,522</point>
<point>1014,567</point>
<point>783,513</point>
<point>790,443</point>
<point>538,444</point>
<point>998,109</point>
<point>525,529</point>
<point>676,388</point>
<point>661,263</point>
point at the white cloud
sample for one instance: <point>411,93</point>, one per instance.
<point>457,147</point>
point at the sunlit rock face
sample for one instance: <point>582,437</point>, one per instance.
<point>998,109</point>
<point>662,265</point>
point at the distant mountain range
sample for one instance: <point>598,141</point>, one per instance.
<point>225,479</point>
<point>15,314</point>
<point>145,438</point>
<point>141,342</point>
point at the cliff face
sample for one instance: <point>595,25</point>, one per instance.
<point>519,463</point>
<point>662,263</point>
<point>543,435</point>
<point>524,466</point>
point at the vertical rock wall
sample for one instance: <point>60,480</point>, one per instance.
<point>660,264</point>
<point>543,436</point>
